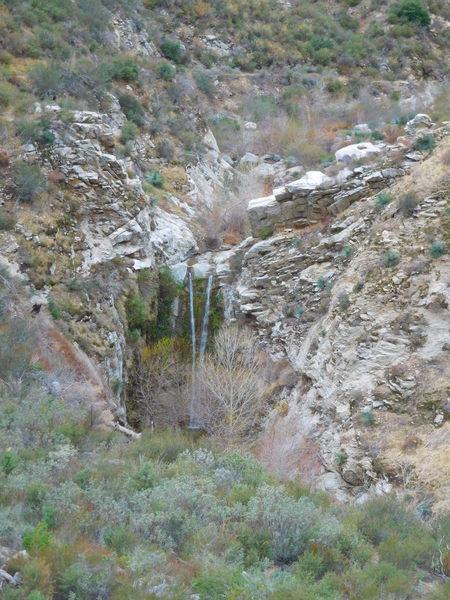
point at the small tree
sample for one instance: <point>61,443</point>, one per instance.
<point>230,384</point>
<point>159,381</point>
<point>172,49</point>
<point>29,181</point>
<point>410,11</point>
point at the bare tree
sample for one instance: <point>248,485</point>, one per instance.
<point>230,384</point>
<point>159,382</point>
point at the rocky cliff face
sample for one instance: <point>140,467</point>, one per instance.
<point>82,245</point>
<point>347,298</point>
<point>355,296</point>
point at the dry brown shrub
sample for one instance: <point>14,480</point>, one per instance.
<point>392,132</point>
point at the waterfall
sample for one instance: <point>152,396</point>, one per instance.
<point>204,336</point>
<point>192,411</point>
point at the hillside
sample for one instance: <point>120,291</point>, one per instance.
<point>224,299</point>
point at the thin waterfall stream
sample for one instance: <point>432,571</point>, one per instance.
<point>192,412</point>
<point>204,335</point>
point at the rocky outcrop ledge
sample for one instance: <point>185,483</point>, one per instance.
<point>314,197</point>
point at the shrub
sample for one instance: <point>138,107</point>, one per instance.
<point>321,282</point>
<point>288,523</point>
<point>124,69</point>
<point>204,81</point>
<point>382,200</point>
<point>346,252</point>
<point>408,203</point>
<point>172,50</point>
<point>137,313</point>
<point>437,249</point>
<point>54,309</point>
<point>341,458</point>
<point>129,132</point>
<point>391,258</point>
<point>9,462</point>
<point>368,417</point>
<point>425,142</point>
<point>47,80</point>
<point>118,539</point>
<point>344,301</point>
<point>155,178</point>
<point>36,595</point>
<point>37,538</point>
<point>5,95</point>
<point>145,478</point>
<point>334,86</point>
<point>7,221</point>
<point>37,579</point>
<point>48,515</point>
<point>82,478</point>
<point>367,582</point>
<point>265,232</point>
<point>299,310</point>
<point>132,108</point>
<point>29,181</point>
<point>165,70</point>
<point>35,495</point>
<point>165,150</point>
<point>410,11</point>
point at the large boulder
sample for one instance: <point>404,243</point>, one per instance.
<point>420,121</point>
<point>264,214</point>
<point>310,181</point>
<point>356,151</point>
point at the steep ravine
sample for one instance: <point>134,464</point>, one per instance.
<point>364,403</point>
<point>358,346</point>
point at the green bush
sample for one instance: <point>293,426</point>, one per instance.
<point>288,523</point>
<point>36,595</point>
<point>129,132</point>
<point>408,204</point>
<point>382,200</point>
<point>5,95</point>
<point>391,258</point>
<point>38,538</point>
<point>165,70</point>
<point>118,539</point>
<point>166,150</point>
<point>9,462</point>
<point>341,458</point>
<point>204,81</point>
<point>132,108</point>
<point>138,315</point>
<point>321,282</point>
<point>172,50</point>
<point>83,477</point>
<point>54,309</point>
<point>265,232</point>
<point>346,252</point>
<point>30,181</point>
<point>47,80</point>
<point>334,86</point>
<point>145,478</point>
<point>367,582</point>
<point>368,418</point>
<point>411,11</point>
<point>425,142</point>
<point>155,178</point>
<point>7,221</point>
<point>124,69</point>
<point>437,249</point>
<point>344,301</point>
